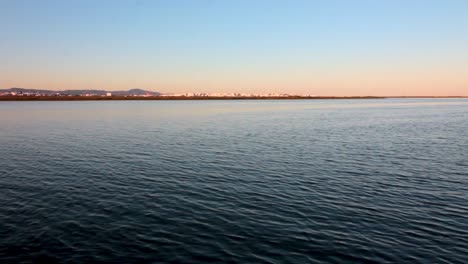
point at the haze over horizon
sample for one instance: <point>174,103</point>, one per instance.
<point>325,48</point>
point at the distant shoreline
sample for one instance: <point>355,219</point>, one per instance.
<point>181,98</point>
<point>173,98</point>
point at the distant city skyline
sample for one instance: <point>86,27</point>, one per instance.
<point>324,48</point>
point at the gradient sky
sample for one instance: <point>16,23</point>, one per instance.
<point>394,47</point>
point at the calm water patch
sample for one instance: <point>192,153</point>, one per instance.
<point>325,181</point>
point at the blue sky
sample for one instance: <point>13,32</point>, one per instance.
<point>307,47</point>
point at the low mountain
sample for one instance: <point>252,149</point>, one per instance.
<point>24,90</point>
<point>131,92</point>
<point>82,92</point>
<point>136,92</point>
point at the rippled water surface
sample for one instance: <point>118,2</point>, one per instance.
<point>332,181</point>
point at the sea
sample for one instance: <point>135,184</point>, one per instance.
<point>234,181</point>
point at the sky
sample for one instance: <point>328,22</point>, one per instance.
<point>327,48</point>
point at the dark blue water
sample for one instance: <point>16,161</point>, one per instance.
<point>360,181</point>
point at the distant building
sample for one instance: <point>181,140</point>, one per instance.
<point>108,94</point>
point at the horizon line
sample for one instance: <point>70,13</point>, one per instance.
<point>244,94</point>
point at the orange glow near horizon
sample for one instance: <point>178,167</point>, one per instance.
<point>364,82</point>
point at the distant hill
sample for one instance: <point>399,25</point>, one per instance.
<point>79,92</point>
<point>136,92</point>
